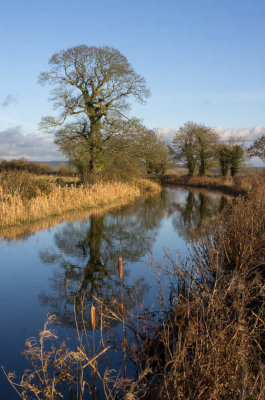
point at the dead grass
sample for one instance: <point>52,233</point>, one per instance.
<point>22,231</point>
<point>210,345</point>
<point>240,184</point>
<point>24,199</point>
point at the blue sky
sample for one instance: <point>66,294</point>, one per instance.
<point>203,60</point>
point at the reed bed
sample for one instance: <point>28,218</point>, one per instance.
<point>26,200</point>
<point>22,231</point>
<point>237,185</point>
<point>210,344</point>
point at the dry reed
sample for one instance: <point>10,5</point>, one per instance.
<point>16,210</point>
<point>93,317</point>
<point>120,267</point>
<point>237,185</point>
<point>211,344</point>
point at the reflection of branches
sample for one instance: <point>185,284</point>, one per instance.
<point>87,254</point>
<point>192,214</point>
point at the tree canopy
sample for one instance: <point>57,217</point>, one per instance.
<point>230,157</point>
<point>194,145</point>
<point>258,148</point>
<point>92,87</point>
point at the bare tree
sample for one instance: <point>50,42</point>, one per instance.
<point>258,148</point>
<point>93,83</point>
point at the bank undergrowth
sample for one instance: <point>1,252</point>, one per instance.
<point>238,185</point>
<point>25,198</point>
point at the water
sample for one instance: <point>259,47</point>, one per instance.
<point>40,272</point>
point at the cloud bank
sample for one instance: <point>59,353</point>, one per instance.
<point>15,144</point>
<point>244,134</point>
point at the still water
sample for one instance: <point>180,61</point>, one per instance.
<point>40,271</point>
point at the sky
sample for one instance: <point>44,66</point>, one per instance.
<point>203,60</point>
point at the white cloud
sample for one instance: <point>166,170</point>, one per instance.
<point>166,133</point>
<point>245,134</point>
<point>15,144</point>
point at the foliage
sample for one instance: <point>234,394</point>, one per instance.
<point>224,158</point>
<point>92,84</point>
<point>237,153</point>
<point>258,148</point>
<point>195,146</point>
<point>135,150</point>
<point>230,158</point>
<point>24,184</point>
<point>24,165</point>
<point>131,150</point>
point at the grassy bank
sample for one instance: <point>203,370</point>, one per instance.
<point>240,184</point>
<point>26,198</point>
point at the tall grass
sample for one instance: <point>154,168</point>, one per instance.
<point>237,185</point>
<point>210,345</point>
<point>23,198</point>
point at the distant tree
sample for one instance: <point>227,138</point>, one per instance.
<point>237,153</point>
<point>258,148</point>
<point>93,83</point>
<point>195,146</point>
<point>65,169</point>
<point>224,157</point>
<point>22,164</point>
<point>230,157</point>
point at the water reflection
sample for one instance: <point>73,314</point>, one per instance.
<point>191,215</point>
<point>85,253</point>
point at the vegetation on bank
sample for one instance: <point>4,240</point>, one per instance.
<point>25,197</point>
<point>199,148</point>
<point>211,345</point>
<point>240,184</point>
<point>37,168</point>
<point>207,342</point>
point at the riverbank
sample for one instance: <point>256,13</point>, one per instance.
<point>210,343</point>
<point>25,198</point>
<point>238,185</point>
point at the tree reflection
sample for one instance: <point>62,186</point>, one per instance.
<point>191,215</point>
<point>86,254</point>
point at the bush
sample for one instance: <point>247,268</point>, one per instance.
<point>24,184</point>
<point>24,165</point>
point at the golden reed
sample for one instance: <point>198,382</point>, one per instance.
<point>120,268</point>
<point>93,317</point>
<point>15,211</point>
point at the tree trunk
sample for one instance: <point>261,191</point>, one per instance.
<point>94,151</point>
